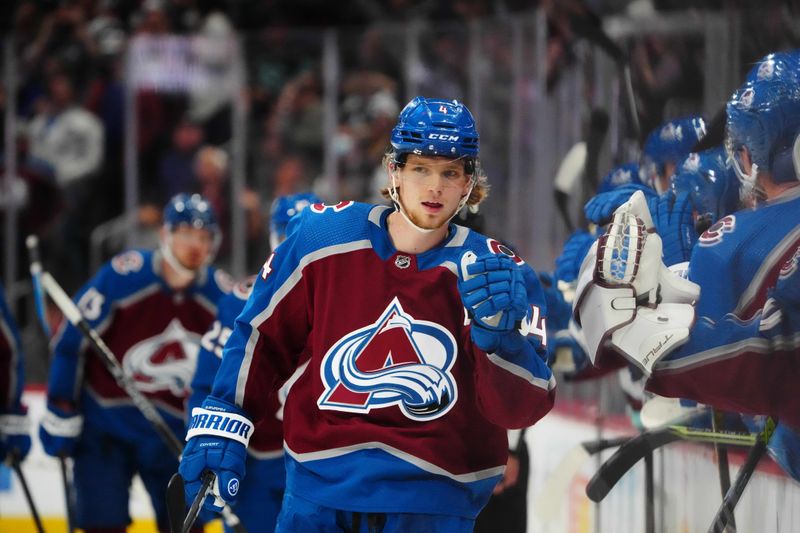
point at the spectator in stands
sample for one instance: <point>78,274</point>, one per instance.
<point>176,170</point>
<point>70,140</point>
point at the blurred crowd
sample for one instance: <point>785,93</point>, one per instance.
<point>71,100</point>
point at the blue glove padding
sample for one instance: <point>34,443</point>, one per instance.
<point>218,432</point>
<point>494,294</point>
<point>600,208</point>
<point>675,225</point>
<point>59,430</point>
<point>568,264</point>
<point>14,435</point>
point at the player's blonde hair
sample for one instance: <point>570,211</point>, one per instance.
<point>479,191</point>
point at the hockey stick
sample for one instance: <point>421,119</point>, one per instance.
<point>73,314</point>
<point>637,448</point>
<point>15,464</point>
<point>723,466</point>
<point>178,522</point>
<point>176,509</point>
<point>725,512</point>
<point>549,501</point>
<point>32,243</point>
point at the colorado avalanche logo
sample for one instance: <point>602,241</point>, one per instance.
<point>790,266</point>
<point>671,132</point>
<point>165,362</point>
<point>621,177</point>
<point>397,360</point>
<point>714,234</point>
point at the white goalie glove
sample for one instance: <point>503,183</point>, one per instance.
<point>627,298</point>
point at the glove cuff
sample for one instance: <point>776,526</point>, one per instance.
<point>59,424</point>
<point>14,424</point>
<point>219,418</point>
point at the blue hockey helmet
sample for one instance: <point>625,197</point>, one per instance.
<point>625,174</point>
<point>764,118</point>
<point>283,209</point>
<point>773,65</point>
<point>671,142</point>
<point>428,126</point>
<point>711,184</point>
<point>192,210</point>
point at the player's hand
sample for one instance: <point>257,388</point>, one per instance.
<point>575,249</point>
<point>60,429</point>
<point>217,441</point>
<point>675,225</point>
<point>14,435</point>
<point>600,208</point>
<point>492,288</point>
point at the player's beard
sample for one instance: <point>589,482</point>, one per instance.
<point>430,223</point>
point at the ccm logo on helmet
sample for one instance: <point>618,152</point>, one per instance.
<point>443,137</point>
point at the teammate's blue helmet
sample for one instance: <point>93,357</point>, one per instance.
<point>775,64</point>
<point>192,210</point>
<point>669,143</point>
<point>711,184</point>
<point>283,209</point>
<point>625,174</point>
<point>764,118</point>
<point>427,126</point>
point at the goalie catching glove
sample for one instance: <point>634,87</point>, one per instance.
<point>493,291</point>
<point>627,298</point>
<point>216,441</point>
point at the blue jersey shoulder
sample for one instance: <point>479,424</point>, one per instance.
<point>322,225</point>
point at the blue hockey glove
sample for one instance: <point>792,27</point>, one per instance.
<point>59,430</point>
<point>492,288</point>
<point>217,441</point>
<point>568,264</point>
<point>601,208</point>
<point>14,434</point>
<point>675,225</point>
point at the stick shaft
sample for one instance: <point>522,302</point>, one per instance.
<point>194,509</point>
<point>22,481</point>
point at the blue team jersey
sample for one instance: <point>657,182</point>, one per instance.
<point>267,439</point>
<point>152,330</point>
<point>12,376</point>
<point>389,407</point>
<point>742,353</point>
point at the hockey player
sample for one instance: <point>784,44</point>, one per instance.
<point>401,340</point>
<point>283,209</point>
<point>15,440</point>
<point>738,355</point>
<point>151,309</point>
<point>262,490</point>
<point>666,147</point>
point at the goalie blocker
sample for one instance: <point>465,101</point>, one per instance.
<point>631,307</point>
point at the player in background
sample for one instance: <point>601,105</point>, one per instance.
<point>14,431</point>
<point>665,148</point>
<point>401,341</point>
<point>741,353</point>
<point>261,491</point>
<point>150,307</point>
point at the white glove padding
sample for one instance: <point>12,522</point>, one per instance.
<point>653,333</point>
<point>626,274</point>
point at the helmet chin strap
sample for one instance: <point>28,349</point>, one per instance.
<point>166,251</point>
<point>398,206</point>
